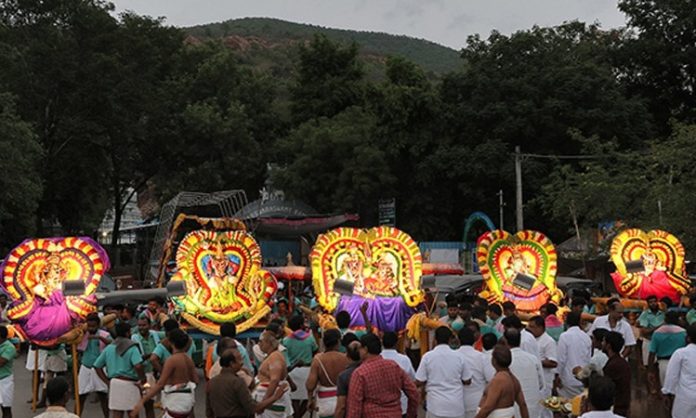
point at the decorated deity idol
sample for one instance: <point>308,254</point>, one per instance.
<point>520,268</point>
<point>385,266</point>
<point>224,280</point>
<point>648,264</point>
<point>33,274</point>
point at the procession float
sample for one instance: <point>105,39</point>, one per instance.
<point>221,266</point>
<point>520,268</point>
<point>648,264</point>
<point>381,266</point>
<point>33,274</point>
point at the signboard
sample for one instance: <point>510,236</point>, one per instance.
<point>387,212</point>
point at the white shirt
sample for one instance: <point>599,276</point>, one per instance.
<point>600,414</point>
<point>680,379</point>
<point>476,361</point>
<point>548,351</point>
<point>405,363</point>
<point>444,371</point>
<point>574,350</point>
<point>599,359</point>
<point>527,369</point>
<point>529,344</point>
<point>488,369</point>
<point>622,327</point>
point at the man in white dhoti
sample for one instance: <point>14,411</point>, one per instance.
<point>574,352</point>
<point>94,342</point>
<point>124,371</point>
<point>476,361</point>
<point>680,380</point>
<point>548,353</point>
<point>272,373</point>
<point>528,371</point>
<point>177,382</point>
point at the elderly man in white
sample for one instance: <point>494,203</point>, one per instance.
<point>615,321</point>
<point>680,380</point>
<point>444,373</point>
<point>548,352</point>
<point>528,370</point>
<point>574,351</point>
<point>476,361</point>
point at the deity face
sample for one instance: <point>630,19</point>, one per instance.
<point>52,273</point>
<point>384,270</point>
<point>354,265</point>
<point>518,263</point>
<point>649,262</point>
<point>219,265</point>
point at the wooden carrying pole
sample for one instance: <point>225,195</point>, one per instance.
<point>76,381</point>
<point>36,380</point>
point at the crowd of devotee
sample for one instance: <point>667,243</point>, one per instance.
<point>484,361</point>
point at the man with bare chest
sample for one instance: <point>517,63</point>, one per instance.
<point>272,372</point>
<point>323,375</point>
<point>177,382</point>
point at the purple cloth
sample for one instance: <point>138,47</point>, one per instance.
<point>387,314</point>
<point>48,319</point>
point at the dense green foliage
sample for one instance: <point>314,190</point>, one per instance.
<point>92,106</point>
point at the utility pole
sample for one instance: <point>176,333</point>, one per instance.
<point>501,203</point>
<point>518,188</point>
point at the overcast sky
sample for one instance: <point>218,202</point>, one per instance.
<point>447,22</point>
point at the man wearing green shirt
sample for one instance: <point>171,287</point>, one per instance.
<point>7,356</point>
<point>665,341</point>
<point>301,347</point>
<point>164,349</point>
<point>124,371</point>
<point>648,322</point>
<point>94,342</point>
<point>147,339</point>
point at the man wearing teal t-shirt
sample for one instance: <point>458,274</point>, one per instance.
<point>164,349</point>
<point>124,371</point>
<point>147,340</point>
<point>301,347</point>
<point>94,342</point>
<point>665,341</point>
<point>7,356</point>
<point>648,321</point>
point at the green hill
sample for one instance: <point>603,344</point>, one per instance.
<point>263,41</point>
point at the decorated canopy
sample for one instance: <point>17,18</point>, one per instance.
<point>384,265</point>
<point>649,263</point>
<point>520,268</point>
<point>32,276</point>
<point>224,280</point>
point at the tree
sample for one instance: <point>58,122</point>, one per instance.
<point>649,189</point>
<point>334,164</point>
<point>533,89</point>
<point>91,84</point>
<point>20,183</point>
<point>224,125</point>
<point>658,58</point>
<point>328,79</point>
